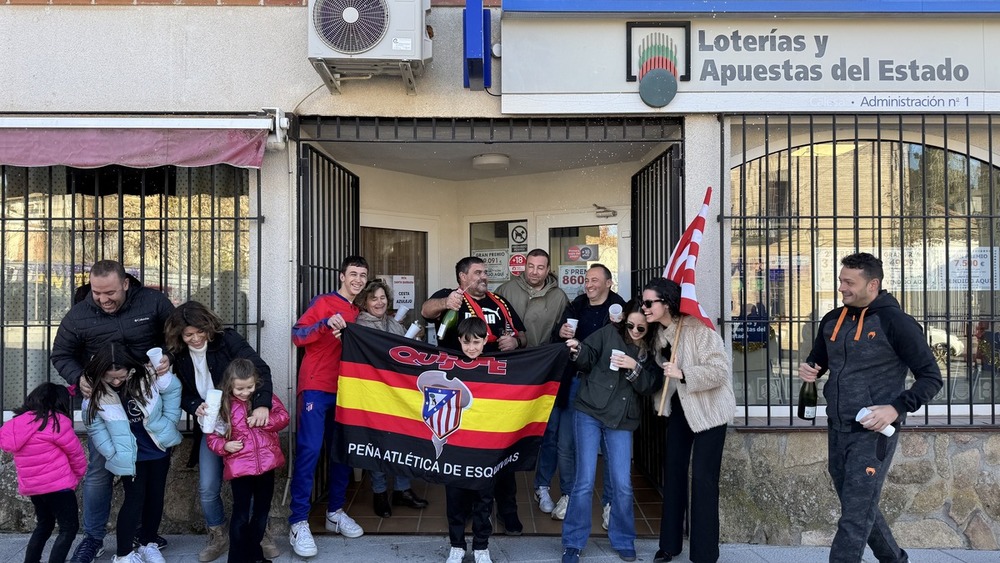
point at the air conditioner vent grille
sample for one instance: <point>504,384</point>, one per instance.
<point>351,26</point>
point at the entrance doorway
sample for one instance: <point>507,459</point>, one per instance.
<point>568,186</point>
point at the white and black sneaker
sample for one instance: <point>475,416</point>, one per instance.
<point>302,540</point>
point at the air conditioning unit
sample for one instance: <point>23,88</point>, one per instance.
<point>352,39</point>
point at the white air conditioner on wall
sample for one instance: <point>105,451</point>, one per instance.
<point>351,39</point>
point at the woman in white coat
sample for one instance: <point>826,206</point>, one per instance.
<point>699,406</point>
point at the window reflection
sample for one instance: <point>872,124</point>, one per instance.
<point>184,231</point>
<point>930,213</point>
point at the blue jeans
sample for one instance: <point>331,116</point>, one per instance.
<point>565,449</point>
<point>590,434</point>
<point>210,485</point>
<point>97,493</point>
<point>380,482</point>
<point>315,427</point>
<point>548,452</point>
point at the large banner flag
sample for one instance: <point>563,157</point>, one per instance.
<point>408,408</point>
<point>680,267</point>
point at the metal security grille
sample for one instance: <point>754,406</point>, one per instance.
<point>656,220</point>
<point>329,230</point>
<point>329,221</point>
<point>922,192</point>
<point>188,232</point>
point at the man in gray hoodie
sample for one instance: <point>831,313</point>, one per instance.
<point>867,346</point>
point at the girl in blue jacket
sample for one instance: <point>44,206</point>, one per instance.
<point>133,416</point>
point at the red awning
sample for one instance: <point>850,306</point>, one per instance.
<point>165,141</point>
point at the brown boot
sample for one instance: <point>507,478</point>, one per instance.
<point>218,544</point>
<point>268,546</point>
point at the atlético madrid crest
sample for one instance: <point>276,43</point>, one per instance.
<point>444,400</point>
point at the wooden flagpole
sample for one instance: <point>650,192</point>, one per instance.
<point>666,380</point>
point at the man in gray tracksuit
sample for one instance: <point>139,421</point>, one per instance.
<point>867,346</point>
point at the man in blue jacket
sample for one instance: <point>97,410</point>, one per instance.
<point>867,346</point>
<point>118,309</point>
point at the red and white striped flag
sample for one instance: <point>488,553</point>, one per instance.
<point>680,267</point>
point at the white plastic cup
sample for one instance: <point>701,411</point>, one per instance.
<point>401,312</point>
<point>155,355</point>
<point>572,324</point>
<point>887,431</point>
<point>615,312</point>
<point>214,401</point>
<point>413,330</point>
<point>615,352</point>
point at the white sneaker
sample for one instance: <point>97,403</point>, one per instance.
<point>456,555</point>
<point>559,512</point>
<point>302,540</point>
<point>132,557</point>
<point>545,503</point>
<point>482,556</point>
<point>150,553</point>
<point>606,516</point>
<point>340,523</point>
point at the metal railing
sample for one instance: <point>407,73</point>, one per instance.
<point>184,231</point>
<point>922,192</point>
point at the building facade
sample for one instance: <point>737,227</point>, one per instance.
<point>227,152</point>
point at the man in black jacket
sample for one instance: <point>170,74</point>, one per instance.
<point>117,309</point>
<point>867,346</point>
<point>590,310</point>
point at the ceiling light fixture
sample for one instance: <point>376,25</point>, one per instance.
<point>490,161</point>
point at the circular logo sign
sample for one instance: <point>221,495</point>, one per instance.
<point>517,264</point>
<point>586,253</point>
<point>573,253</point>
<point>519,234</point>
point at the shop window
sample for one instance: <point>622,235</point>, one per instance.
<point>931,212</point>
<point>183,231</point>
<point>399,258</point>
<point>575,249</point>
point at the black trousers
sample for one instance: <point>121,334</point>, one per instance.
<point>703,451</point>
<point>50,508</point>
<point>460,504</point>
<point>505,496</point>
<point>143,503</point>
<point>859,463</point>
<point>251,504</point>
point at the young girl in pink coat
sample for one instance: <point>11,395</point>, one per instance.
<point>249,456</point>
<point>50,463</point>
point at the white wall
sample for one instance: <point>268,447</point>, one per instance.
<point>206,59</point>
<point>177,59</point>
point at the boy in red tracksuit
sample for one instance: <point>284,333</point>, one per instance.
<point>318,332</point>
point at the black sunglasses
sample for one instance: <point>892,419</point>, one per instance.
<point>640,329</point>
<point>648,303</point>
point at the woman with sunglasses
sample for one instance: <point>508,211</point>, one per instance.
<point>202,350</point>
<point>617,366</point>
<point>373,301</point>
<point>699,406</point>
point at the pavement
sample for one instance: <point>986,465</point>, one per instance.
<point>421,549</point>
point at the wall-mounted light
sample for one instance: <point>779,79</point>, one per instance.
<point>490,161</point>
<point>604,212</point>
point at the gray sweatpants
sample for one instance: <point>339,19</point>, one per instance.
<point>859,462</point>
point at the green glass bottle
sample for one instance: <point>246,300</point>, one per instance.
<point>808,397</point>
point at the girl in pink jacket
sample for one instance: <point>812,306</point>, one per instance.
<point>250,454</point>
<point>50,463</point>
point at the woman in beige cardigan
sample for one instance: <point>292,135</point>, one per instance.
<point>699,406</point>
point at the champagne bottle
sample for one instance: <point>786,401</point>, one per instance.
<point>808,398</point>
<point>448,321</point>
